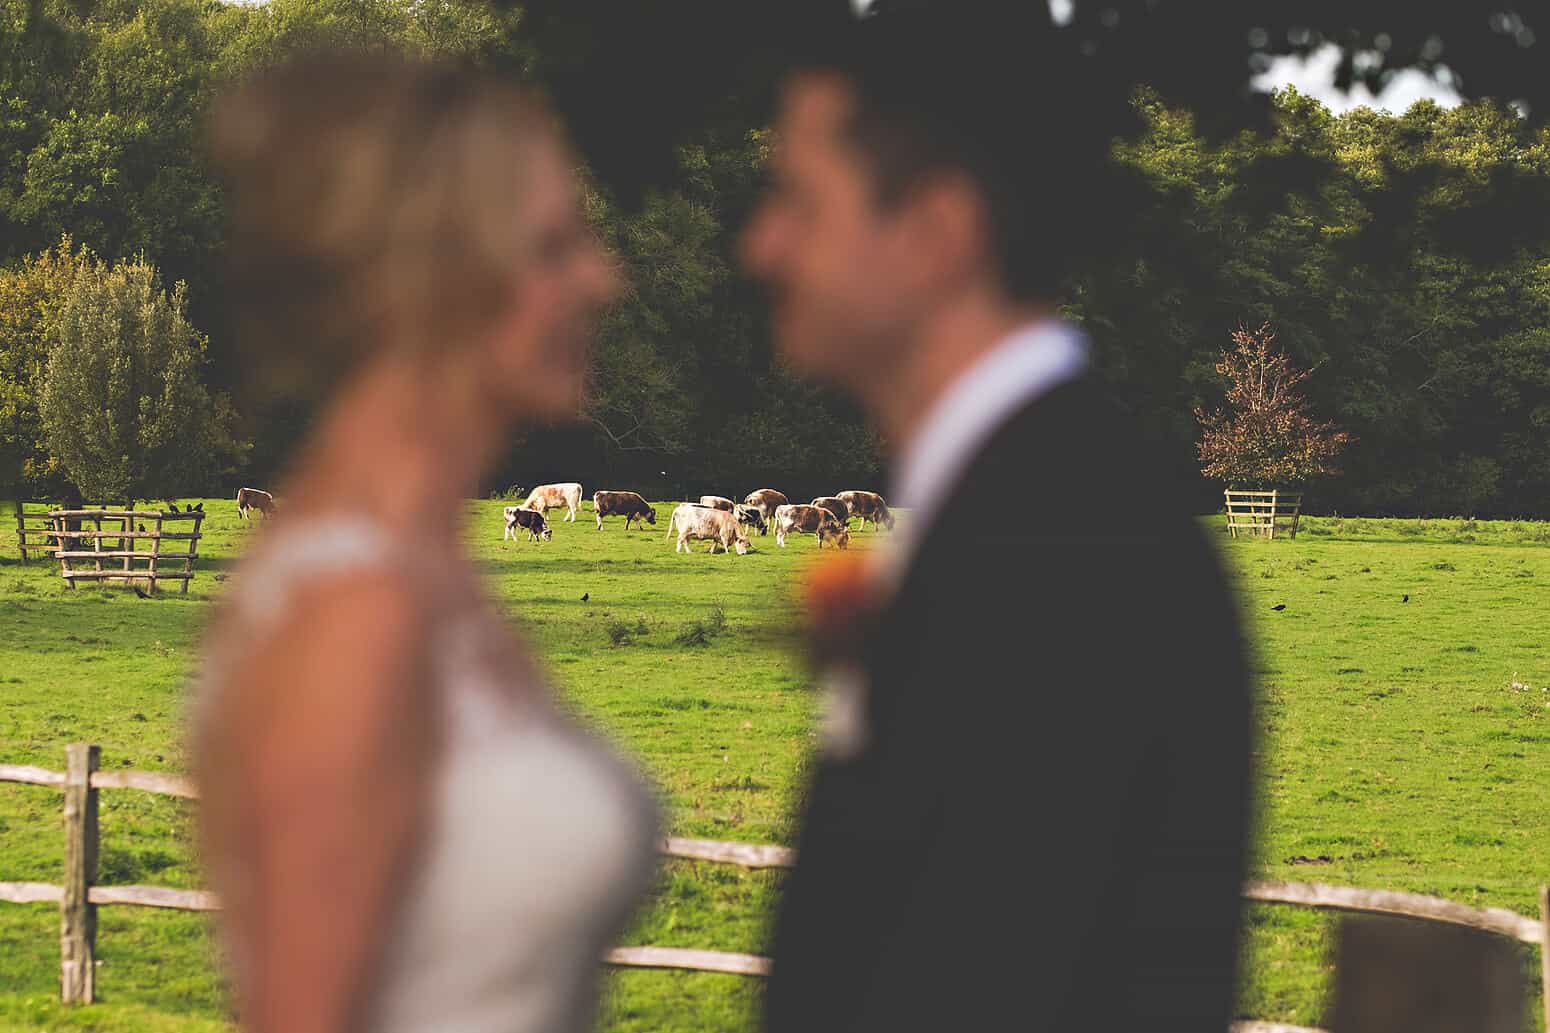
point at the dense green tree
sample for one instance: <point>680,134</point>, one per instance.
<point>123,404</point>
<point>1403,255</point>
<point>30,296</point>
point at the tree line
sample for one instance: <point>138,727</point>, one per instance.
<point>1402,257</point>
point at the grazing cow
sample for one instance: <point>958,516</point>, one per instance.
<point>553,496</point>
<point>766,501</point>
<point>627,504</point>
<point>748,516</point>
<point>810,520</point>
<point>692,522</point>
<point>838,506</point>
<point>868,505</point>
<point>253,498</point>
<point>530,521</point>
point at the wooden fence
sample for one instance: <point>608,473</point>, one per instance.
<point>36,524</point>
<point>1256,512</point>
<point>122,558</point>
<point>79,896</point>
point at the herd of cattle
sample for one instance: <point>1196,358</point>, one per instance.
<point>716,519</point>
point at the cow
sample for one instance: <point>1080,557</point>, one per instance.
<point>868,505</point>
<point>553,496</point>
<point>810,520</point>
<point>748,516</point>
<point>530,521</point>
<point>692,522</point>
<point>839,507</point>
<point>627,504</point>
<point>766,501</point>
<point>249,499</point>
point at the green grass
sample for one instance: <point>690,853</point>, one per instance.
<point>1400,741</point>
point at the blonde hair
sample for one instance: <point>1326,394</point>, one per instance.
<point>375,201</point>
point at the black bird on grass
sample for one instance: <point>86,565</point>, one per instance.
<point>585,596</point>
<point>140,592</point>
<point>1279,606</point>
<point>1405,598</point>
<point>172,507</point>
<point>140,527</point>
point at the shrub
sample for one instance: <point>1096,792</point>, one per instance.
<point>1266,438</point>
<point>695,633</point>
<point>700,632</point>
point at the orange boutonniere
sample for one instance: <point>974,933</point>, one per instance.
<point>840,592</point>
<point>842,598</point>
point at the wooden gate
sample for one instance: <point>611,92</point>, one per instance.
<point>1256,512</point>
<point>113,552</point>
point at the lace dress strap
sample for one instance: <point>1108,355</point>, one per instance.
<point>319,548</point>
<point>267,583</point>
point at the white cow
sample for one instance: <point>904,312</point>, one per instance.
<point>555,496</point>
<point>691,522</point>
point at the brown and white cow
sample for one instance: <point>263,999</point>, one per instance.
<point>691,522</point>
<point>249,499</point>
<point>838,506</point>
<point>718,502</point>
<point>628,504</point>
<point>529,520</point>
<point>810,520</point>
<point>766,501</point>
<point>555,496</point>
<point>868,505</point>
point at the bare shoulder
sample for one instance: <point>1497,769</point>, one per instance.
<point>345,657</point>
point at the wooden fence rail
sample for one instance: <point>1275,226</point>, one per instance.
<point>79,896</point>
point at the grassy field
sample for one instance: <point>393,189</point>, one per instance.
<point>1400,740</point>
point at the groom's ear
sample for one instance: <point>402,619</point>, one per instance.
<point>946,221</point>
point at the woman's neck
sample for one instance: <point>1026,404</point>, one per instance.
<point>409,438</point>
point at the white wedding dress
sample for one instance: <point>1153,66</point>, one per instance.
<point>540,843</point>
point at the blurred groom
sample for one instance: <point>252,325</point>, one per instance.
<point>1037,818</point>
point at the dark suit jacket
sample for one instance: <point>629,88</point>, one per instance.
<point>1047,827</point>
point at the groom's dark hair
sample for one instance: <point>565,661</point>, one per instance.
<point>989,88</point>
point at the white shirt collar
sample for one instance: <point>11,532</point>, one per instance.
<point>1026,364</point>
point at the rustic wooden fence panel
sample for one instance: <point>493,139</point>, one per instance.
<point>33,528</point>
<point>1256,512</point>
<point>79,897</point>
<point>118,560</point>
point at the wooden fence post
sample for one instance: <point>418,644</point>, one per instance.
<point>193,550</point>
<point>21,527</point>
<point>1544,953</point>
<point>1398,975</point>
<point>156,552</point>
<point>77,915</point>
<point>60,526</point>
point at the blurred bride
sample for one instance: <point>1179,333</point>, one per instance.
<point>405,832</point>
